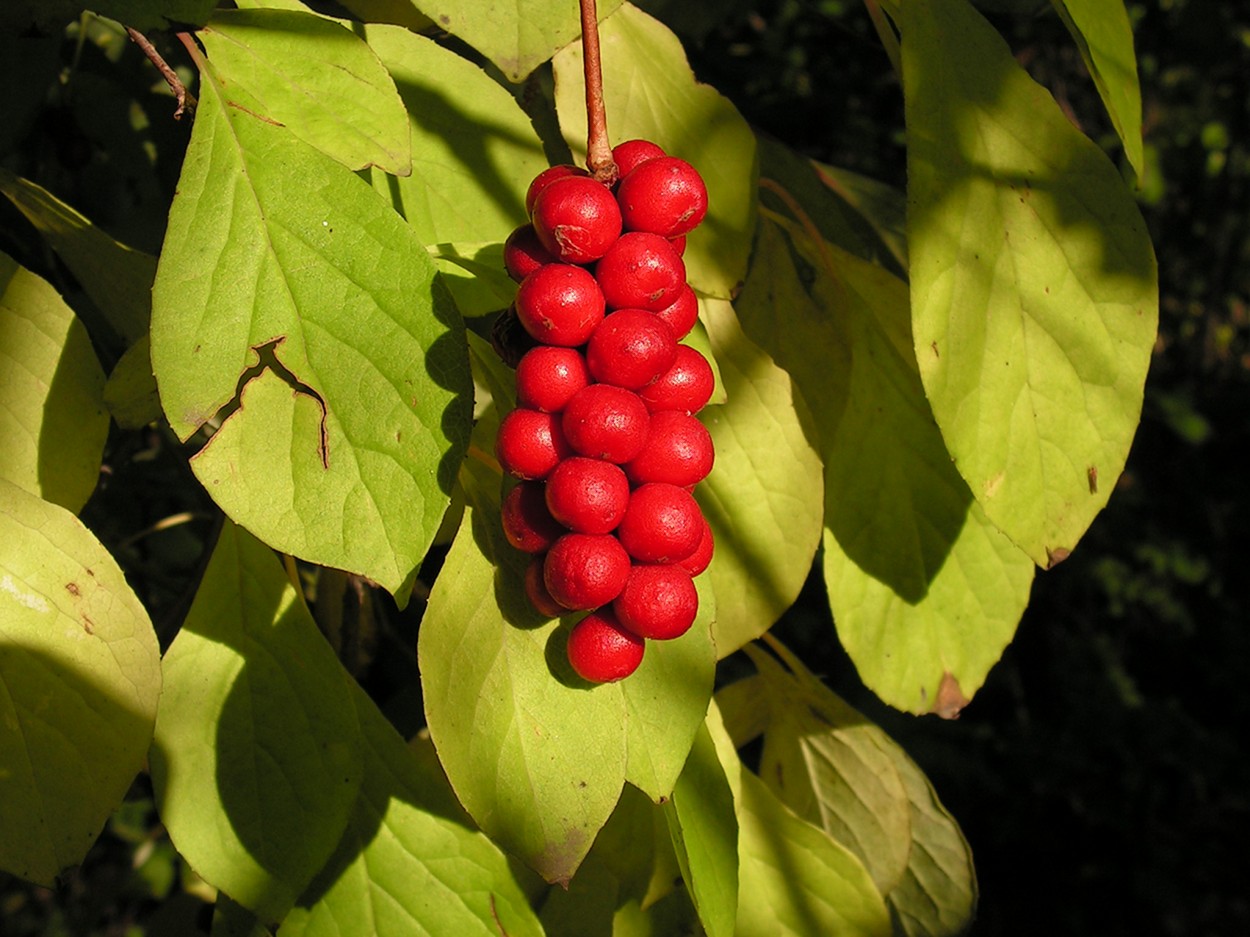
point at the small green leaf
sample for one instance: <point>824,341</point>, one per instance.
<point>316,78</point>
<point>764,495</point>
<point>474,151</point>
<point>79,681</point>
<point>130,392</point>
<point>289,286</point>
<point>651,93</point>
<point>53,424</point>
<point>517,36</point>
<point>257,761</point>
<point>1034,293</point>
<point>1103,33</point>
<point>475,276</point>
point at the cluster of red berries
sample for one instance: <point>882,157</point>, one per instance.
<point>604,439</point>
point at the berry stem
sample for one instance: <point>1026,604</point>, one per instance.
<point>598,150</point>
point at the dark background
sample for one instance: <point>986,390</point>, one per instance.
<point>1099,775</point>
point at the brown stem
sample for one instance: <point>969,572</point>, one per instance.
<point>185,99</point>
<point>598,150</point>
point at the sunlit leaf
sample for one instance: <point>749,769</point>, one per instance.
<point>79,680</point>
<point>256,763</point>
<point>1034,294</point>
<point>651,93</point>
<point>287,281</point>
<point>52,423</point>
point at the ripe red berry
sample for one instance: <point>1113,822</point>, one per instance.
<point>699,560</point>
<point>530,444</point>
<point>657,602</point>
<point>665,196</point>
<point>662,524</point>
<point>577,219</point>
<point>678,451</point>
<point>679,244</point>
<point>601,651</point>
<point>536,590</point>
<point>545,178</point>
<point>687,386</point>
<point>548,376</point>
<point>560,304</point>
<point>585,570</point>
<point>606,422</point>
<point>631,153</point>
<point>587,495</point>
<point>630,348</point>
<point>523,253</point>
<point>640,271</point>
<point>682,313</point>
<point>527,523</point>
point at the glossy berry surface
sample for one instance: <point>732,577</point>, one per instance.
<point>548,376</point>
<point>601,651</point>
<point>687,386</point>
<point>701,558</point>
<point>545,178</point>
<point>678,451</point>
<point>657,602</point>
<point>587,495</point>
<point>682,313</point>
<point>530,444</point>
<point>536,590</point>
<point>527,522</point>
<point>631,153</point>
<point>606,422</point>
<point>662,524</point>
<point>665,196</point>
<point>630,348</point>
<point>560,304</point>
<point>523,253</point>
<point>641,271</point>
<point>577,219</point>
<point>585,570</point>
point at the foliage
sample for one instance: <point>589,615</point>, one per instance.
<point>924,419</point>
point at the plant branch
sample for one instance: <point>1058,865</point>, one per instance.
<point>186,100</point>
<point>598,150</point>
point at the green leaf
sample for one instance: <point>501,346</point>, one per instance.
<point>130,392</point>
<point>704,830</point>
<point>511,722</point>
<point>116,277</point>
<point>257,760</point>
<point>475,276</point>
<point>315,77</point>
<point>79,681</point>
<point>517,36</point>
<point>651,93</point>
<point>474,151</point>
<point>289,286</point>
<point>1103,33</point>
<point>1033,322</point>
<point>53,424</point>
<point>764,495</point>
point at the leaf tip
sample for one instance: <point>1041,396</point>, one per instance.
<point>950,697</point>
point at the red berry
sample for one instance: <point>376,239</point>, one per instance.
<point>640,271</point>
<point>657,602</point>
<point>606,422</point>
<point>587,495</point>
<point>560,304</point>
<point>698,561</point>
<point>664,196</point>
<point>523,253</point>
<point>530,444</point>
<point>585,570</point>
<point>536,590</point>
<point>601,651</point>
<point>682,313</point>
<point>527,523</point>
<point>679,244</point>
<point>678,451</point>
<point>545,178</point>
<point>686,386</point>
<point>577,219</point>
<point>631,153</point>
<point>662,524</point>
<point>630,348</point>
<point>547,376</point>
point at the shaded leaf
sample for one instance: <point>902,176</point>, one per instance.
<point>141,14</point>
<point>130,392</point>
<point>53,424</point>
<point>1034,294</point>
<point>79,681</point>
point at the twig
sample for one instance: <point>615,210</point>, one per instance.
<point>186,100</point>
<point>598,150</point>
